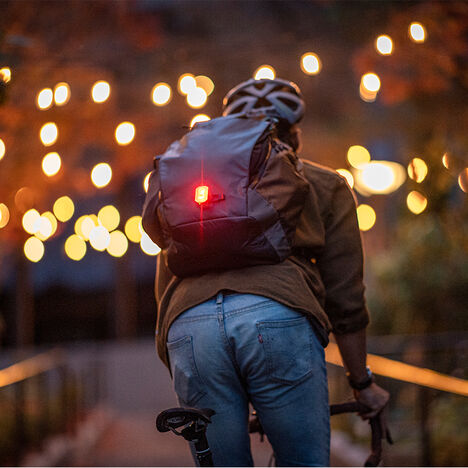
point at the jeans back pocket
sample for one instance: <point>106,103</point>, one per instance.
<point>187,382</point>
<point>288,349</point>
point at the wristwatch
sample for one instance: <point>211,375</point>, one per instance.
<point>361,385</point>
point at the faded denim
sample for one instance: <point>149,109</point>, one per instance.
<point>241,348</point>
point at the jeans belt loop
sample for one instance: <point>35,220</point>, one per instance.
<point>219,298</point>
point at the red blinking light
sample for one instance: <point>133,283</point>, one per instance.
<point>201,194</point>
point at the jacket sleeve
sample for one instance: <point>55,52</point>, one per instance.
<point>341,263</point>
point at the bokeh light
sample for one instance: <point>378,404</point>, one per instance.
<point>101,175</point>
<point>5,74</point>
<point>118,244</point>
<point>416,202</point>
<point>310,63</point>
<point>4,215</point>
<point>51,164</point>
<point>24,199</point>
<point>463,180</point>
<point>371,82</point>
<point>75,247</point>
<point>61,94</point>
<point>43,228</point>
<point>347,175</point>
<point>146,182</point>
<point>446,161</point>
<point>100,91</point>
<point>205,83</point>
<point>358,155</point>
<point>44,99</point>
<point>29,220</point>
<point>148,246</point>
<point>47,226</point>
<point>384,44</point>
<point>2,148</point>
<point>366,217</point>
<point>125,133</point>
<point>197,98</point>
<point>99,238</point>
<point>417,170</point>
<point>161,94</point>
<point>199,118</point>
<point>186,83</point>
<point>84,225</point>
<point>48,134</point>
<point>134,229</point>
<point>265,72</point>
<point>417,32</point>
<point>379,177</point>
<point>109,217</point>
<point>34,249</point>
<point>63,208</point>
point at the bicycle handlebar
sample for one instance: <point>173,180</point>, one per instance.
<point>379,428</point>
<point>194,422</point>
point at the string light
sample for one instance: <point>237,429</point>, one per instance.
<point>384,44</point>
<point>417,170</point>
<point>358,155</point>
<point>416,202</point>
<point>134,229</point>
<point>265,72</point>
<point>205,83</point>
<point>100,91</point>
<point>125,133</point>
<point>199,118</point>
<point>48,134</point>
<point>197,98</point>
<point>417,32</point>
<point>45,99</point>
<point>2,149</point>
<point>161,94</point>
<point>75,247</point>
<point>148,246</point>
<point>5,74</point>
<point>29,220</point>
<point>310,63</point>
<point>109,217</point>
<point>99,238</point>
<point>347,175</point>
<point>101,175</point>
<point>463,180</point>
<point>64,208</point>
<point>33,249</point>
<point>146,182</point>
<point>186,83</point>
<point>61,94</point>
<point>118,244</point>
<point>51,164</point>
<point>366,217</point>
<point>4,215</point>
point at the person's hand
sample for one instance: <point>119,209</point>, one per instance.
<point>374,397</point>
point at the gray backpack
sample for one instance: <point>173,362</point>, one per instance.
<point>227,195</point>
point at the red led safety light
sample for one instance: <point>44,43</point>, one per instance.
<point>201,194</point>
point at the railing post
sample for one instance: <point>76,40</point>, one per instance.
<point>20,426</point>
<point>425,433</point>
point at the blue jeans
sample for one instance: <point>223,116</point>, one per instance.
<point>241,348</point>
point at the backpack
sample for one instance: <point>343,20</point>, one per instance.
<point>227,195</point>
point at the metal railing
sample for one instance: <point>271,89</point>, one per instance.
<point>41,396</point>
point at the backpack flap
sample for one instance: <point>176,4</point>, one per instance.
<point>204,184</point>
<point>151,221</point>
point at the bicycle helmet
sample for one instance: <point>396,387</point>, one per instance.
<point>277,96</point>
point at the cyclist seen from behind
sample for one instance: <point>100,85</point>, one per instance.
<point>261,259</point>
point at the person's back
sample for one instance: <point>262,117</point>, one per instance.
<point>256,334</point>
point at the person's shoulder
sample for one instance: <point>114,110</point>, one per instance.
<point>316,172</point>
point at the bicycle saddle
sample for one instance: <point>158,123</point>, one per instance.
<point>170,419</point>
